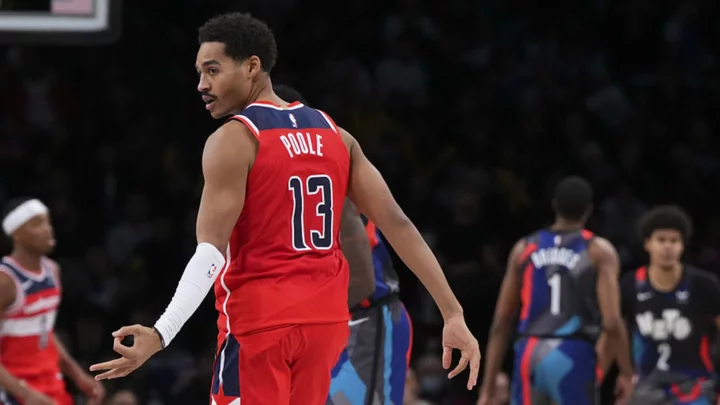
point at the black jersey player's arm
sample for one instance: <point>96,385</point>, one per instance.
<point>710,287</point>
<point>605,259</point>
<point>228,155</point>
<point>368,190</point>
<point>506,310</point>
<point>357,251</point>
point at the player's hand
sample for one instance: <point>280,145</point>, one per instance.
<point>94,390</point>
<point>146,342</point>
<point>624,386</point>
<point>33,397</point>
<point>456,335</point>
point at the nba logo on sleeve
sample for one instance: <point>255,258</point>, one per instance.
<point>212,271</point>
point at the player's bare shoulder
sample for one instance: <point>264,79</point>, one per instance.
<point>8,291</point>
<point>233,141</point>
<point>601,251</point>
<point>350,142</point>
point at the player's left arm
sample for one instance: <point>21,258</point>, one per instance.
<point>607,263</point>
<point>227,158</point>
<point>357,251</point>
<point>506,310</point>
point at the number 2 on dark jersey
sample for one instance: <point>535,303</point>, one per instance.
<point>321,239</point>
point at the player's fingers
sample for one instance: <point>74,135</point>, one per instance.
<point>474,369</point>
<point>121,349</point>
<point>108,375</point>
<point>447,357</point>
<point>127,331</point>
<point>109,365</point>
<point>462,365</point>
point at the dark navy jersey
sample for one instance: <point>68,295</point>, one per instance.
<point>386,279</point>
<point>671,331</point>
<point>559,286</point>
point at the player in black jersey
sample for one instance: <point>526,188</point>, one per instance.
<point>562,282</point>
<point>672,310</point>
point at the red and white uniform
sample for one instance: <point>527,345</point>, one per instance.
<point>282,297</point>
<point>27,340</point>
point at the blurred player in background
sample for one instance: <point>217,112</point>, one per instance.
<point>673,309</point>
<point>562,281</point>
<point>373,366</point>
<point>32,359</point>
<point>276,176</point>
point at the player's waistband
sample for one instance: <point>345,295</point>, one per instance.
<point>377,302</point>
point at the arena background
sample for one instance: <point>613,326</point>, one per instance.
<point>472,111</point>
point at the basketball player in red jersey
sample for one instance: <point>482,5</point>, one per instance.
<point>276,175</point>
<point>31,357</point>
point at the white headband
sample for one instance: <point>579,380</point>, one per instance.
<point>23,213</point>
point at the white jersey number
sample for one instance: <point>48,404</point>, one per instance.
<point>555,283</point>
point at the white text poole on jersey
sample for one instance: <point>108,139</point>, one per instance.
<point>302,144</point>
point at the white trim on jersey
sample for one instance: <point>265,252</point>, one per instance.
<point>329,121</point>
<point>28,326</point>
<point>248,122</point>
<point>276,107</point>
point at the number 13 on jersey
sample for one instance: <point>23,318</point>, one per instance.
<point>320,239</point>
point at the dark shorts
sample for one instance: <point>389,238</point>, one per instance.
<point>372,368</point>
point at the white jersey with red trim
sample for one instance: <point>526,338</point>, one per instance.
<point>27,342</point>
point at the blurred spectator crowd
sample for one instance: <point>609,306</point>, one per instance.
<point>471,110</point>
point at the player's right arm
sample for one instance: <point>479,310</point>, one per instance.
<point>368,190</point>
<point>357,251</point>
<point>8,382</point>
<point>506,311</point>
<point>227,158</point>
<point>607,263</point>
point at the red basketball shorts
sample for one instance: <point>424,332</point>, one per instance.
<point>286,366</point>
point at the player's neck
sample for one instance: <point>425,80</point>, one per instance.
<point>28,260</point>
<point>262,92</point>
<point>665,279</point>
<point>563,225</point>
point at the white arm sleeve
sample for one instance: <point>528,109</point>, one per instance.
<point>199,276</point>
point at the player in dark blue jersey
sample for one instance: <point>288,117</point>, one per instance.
<point>374,365</point>
<point>673,311</point>
<point>562,284</point>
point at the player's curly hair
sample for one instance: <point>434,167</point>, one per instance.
<point>243,36</point>
<point>666,217</point>
<point>573,198</point>
<point>288,93</point>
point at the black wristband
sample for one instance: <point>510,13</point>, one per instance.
<point>162,339</point>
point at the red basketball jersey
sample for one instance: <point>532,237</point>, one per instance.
<point>27,342</point>
<point>285,265</point>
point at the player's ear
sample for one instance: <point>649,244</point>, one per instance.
<point>646,244</point>
<point>254,66</point>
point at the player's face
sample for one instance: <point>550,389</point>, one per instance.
<point>225,84</point>
<point>37,235</point>
<point>665,247</point>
